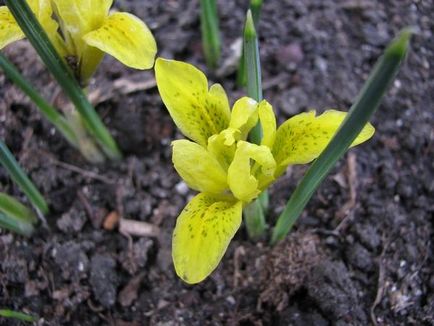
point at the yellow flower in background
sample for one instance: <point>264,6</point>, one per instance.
<point>83,30</point>
<point>219,162</point>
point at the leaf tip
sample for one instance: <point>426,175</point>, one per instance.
<point>249,27</point>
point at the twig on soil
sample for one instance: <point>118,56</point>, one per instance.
<point>240,251</point>
<point>85,173</point>
<point>27,136</point>
<point>351,174</point>
<point>95,308</point>
<point>121,86</point>
<point>138,228</point>
<point>87,207</point>
<point>380,283</point>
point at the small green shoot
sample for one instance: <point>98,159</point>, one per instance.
<point>255,8</point>
<point>364,106</point>
<point>21,179</point>
<point>16,217</point>
<point>209,23</point>
<point>17,315</point>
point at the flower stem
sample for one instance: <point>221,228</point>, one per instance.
<point>364,106</point>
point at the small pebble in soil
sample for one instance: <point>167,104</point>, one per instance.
<point>359,257</point>
<point>330,286</point>
<point>104,279</point>
<point>72,260</point>
<point>368,236</point>
<point>181,188</point>
<point>73,220</point>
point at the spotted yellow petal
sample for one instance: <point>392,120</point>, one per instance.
<point>268,123</point>
<point>9,29</point>
<point>242,182</point>
<point>202,234</point>
<point>197,112</point>
<point>199,169</point>
<point>127,38</point>
<point>11,32</point>
<point>303,137</point>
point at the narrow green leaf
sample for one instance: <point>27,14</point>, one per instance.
<point>39,39</point>
<point>49,112</point>
<point>255,8</point>
<point>21,179</point>
<point>364,106</point>
<point>254,213</point>
<point>209,23</point>
<point>17,315</point>
<point>253,69</point>
<point>13,208</point>
<point>15,225</point>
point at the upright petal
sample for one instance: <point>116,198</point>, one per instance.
<point>44,12</point>
<point>199,169</point>
<point>268,123</point>
<point>244,116</point>
<point>127,38</point>
<point>79,17</point>
<point>198,113</point>
<point>242,182</point>
<point>303,137</point>
<point>202,234</point>
<point>9,29</point>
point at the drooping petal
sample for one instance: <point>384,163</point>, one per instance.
<point>268,123</point>
<point>242,182</point>
<point>199,169</point>
<point>303,137</point>
<point>202,234</point>
<point>127,38</point>
<point>183,88</point>
<point>244,116</point>
<point>9,29</point>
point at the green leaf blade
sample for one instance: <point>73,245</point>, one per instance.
<point>364,106</point>
<point>21,179</point>
<point>210,32</point>
<point>49,112</point>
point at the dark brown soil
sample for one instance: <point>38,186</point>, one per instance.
<point>345,263</point>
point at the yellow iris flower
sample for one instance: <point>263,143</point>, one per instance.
<point>219,162</point>
<point>82,30</point>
